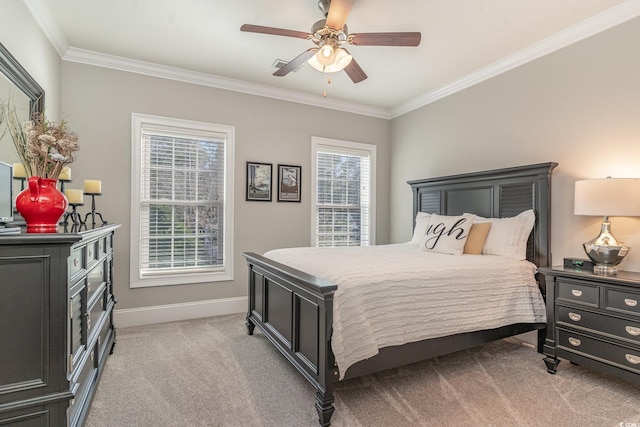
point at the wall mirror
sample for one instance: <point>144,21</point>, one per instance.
<point>27,95</point>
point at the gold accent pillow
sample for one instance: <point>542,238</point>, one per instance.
<point>477,236</point>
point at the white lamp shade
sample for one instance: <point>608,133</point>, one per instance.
<point>342,59</point>
<point>607,197</point>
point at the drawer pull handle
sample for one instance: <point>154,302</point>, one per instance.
<point>90,253</point>
<point>633,331</point>
<point>75,262</point>
<point>576,292</point>
<point>631,302</point>
<point>575,317</point>
<point>574,341</point>
<point>632,358</point>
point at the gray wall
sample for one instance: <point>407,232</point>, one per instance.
<point>21,35</point>
<point>99,103</point>
<point>579,106</point>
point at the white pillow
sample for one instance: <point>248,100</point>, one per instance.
<point>422,222</point>
<point>508,236</point>
<point>447,234</point>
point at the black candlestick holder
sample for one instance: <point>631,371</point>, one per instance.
<point>62,181</point>
<point>75,217</point>
<point>93,212</point>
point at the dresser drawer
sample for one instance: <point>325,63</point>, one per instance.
<point>578,292</point>
<point>624,301</point>
<point>76,261</point>
<point>94,314</point>
<point>95,280</point>
<point>599,323</point>
<point>626,357</point>
<point>92,252</point>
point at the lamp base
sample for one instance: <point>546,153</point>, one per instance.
<point>606,251</point>
<point>605,269</point>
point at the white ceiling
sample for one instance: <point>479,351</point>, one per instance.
<point>463,42</point>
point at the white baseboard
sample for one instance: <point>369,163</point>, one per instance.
<point>175,312</point>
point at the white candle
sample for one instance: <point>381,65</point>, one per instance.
<point>92,186</point>
<point>75,197</point>
<point>65,174</point>
<point>19,171</point>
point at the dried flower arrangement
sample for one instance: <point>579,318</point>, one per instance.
<point>43,147</point>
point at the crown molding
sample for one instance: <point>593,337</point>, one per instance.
<point>166,72</point>
<point>610,18</point>
<point>616,15</point>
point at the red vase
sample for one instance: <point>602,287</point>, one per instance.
<point>41,205</point>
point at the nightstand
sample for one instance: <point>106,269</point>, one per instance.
<point>593,320</point>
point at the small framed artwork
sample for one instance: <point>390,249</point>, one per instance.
<point>289,183</point>
<point>259,181</point>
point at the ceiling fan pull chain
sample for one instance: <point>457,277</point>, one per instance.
<point>328,82</point>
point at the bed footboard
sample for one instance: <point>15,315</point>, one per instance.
<point>294,311</point>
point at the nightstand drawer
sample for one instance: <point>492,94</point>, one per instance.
<point>578,292</point>
<point>620,356</point>
<point>627,302</point>
<point>599,323</point>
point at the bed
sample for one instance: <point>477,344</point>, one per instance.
<point>295,310</point>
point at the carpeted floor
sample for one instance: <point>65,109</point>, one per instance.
<point>209,372</point>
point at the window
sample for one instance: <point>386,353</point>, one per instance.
<point>181,201</point>
<point>343,193</point>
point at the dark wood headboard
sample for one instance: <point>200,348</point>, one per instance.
<point>498,193</point>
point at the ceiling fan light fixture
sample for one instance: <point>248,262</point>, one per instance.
<point>341,60</point>
<point>326,55</point>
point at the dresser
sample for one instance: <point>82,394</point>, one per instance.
<point>56,324</point>
<point>593,320</point>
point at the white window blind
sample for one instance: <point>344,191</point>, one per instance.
<point>343,181</point>
<point>182,202</point>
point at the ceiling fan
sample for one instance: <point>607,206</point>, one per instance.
<point>329,35</point>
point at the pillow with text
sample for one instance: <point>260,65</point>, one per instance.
<point>447,234</point>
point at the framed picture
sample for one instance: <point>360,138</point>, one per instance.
<point>259,181</point>
<point>289,183</point>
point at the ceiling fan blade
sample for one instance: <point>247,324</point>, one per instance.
<point>274,31</point>
<point>296,62</point>
<point>355,73</point>
<point>385,39</point>
<point>338,13</point>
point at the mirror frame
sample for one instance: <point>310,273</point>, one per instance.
<point>17,75</point>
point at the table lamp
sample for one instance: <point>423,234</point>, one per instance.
<point>607,197</point>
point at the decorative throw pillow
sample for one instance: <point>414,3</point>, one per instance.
<point>508,236</point>
<point>447,234</point>
<point>422,222</point>
<point>477,236</point>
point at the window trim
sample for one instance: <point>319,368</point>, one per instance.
<point>343,146</point>
<point>176,277</point>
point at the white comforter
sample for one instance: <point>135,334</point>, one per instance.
<point>394,294</point>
